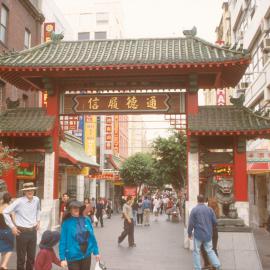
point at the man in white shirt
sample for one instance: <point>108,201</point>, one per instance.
<point>26,222</point>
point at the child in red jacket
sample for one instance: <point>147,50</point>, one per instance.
<point>46,255</point>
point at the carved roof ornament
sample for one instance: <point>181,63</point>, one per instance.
<point>239,102</point>
<point>56,37</point>
<point>190,33</point>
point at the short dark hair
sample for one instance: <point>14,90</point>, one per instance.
<point>200,198</point>
<point>6,198</point>
<point>129,198</point>
<point>65,194</point>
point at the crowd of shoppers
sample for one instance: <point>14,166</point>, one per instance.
<point>21,218</point>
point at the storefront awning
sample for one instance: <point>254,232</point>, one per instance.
<point>258,167</point>
<point>114,161</point>
<point>74,152</point>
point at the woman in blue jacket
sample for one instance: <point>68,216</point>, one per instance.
<point>77,241</point>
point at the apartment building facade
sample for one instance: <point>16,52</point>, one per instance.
<point>20,28</point>
<point>250,30</point>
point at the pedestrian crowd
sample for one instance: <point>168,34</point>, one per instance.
<point>20,221</point>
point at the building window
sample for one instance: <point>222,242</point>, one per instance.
<point>3,24</point>
<point>102,18</point>
<point>27,39</point>
<point>86,20</point>
<point>100,35</point>
<point>84,36</point>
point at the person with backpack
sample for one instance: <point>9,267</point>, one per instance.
<point>77,240</point>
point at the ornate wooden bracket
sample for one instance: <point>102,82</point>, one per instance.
<point>48,144</point>
<point>194,145</point>
<point>241,145</point>
<point>193,83</point>
<point>48,85</point>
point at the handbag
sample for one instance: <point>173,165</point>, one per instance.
<point>100,266</point>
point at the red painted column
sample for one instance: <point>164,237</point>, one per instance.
<point>10,179</point>
<point>192,106</point>
<point>53,108</point>
<point>240,175</point>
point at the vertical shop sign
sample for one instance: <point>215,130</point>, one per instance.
<point>108,132</point>
<point>48,28</point>
<point>90,134</point>
<point>116,135</point>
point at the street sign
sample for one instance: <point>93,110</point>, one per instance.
<point>173,103</point>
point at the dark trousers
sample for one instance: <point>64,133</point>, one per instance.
<point>26,244</point>
<point>84,264</point>
<point>128,231</point>
<point>214,243</point>
<point>139,218</point>
<point>100,219</point>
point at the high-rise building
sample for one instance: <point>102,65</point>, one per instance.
<point>92,20</point>
<point>137,135</point>
<point>223,32</point>
<point>20,28</point>
<point>250,30</point>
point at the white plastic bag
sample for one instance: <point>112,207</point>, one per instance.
<point>100,266</point>
<point>95,219</point>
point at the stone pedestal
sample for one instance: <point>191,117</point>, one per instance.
<point>243,211</point>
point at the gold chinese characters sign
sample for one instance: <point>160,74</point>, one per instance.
<point>172,103</point>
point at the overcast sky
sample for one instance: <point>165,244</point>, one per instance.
<point>164,18</point>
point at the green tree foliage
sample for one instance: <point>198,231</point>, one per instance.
<point>137,170</point>
<point>170,160</point>
<point>8,159</point>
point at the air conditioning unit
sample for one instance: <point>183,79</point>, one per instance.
<point>266,45</point>
<point>264,26</point>
<point>243,85</point>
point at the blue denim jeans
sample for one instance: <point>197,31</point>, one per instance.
<point>210,253</point>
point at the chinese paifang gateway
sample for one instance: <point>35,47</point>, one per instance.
<point>131,66</point>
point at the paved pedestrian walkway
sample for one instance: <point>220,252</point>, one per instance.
<point>262,238</point>
<point>159,247</point>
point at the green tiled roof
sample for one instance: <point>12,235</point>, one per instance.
<point>226,118</point>
<point>189,49</point>
<point>26,120</point>
<point>76,151</point>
